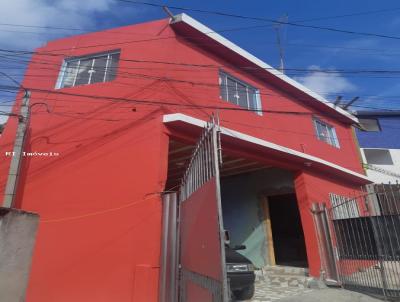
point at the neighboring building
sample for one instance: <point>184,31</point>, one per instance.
<point>124,109</point>
<point>379,141</point>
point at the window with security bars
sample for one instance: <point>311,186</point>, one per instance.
<point>326,133</point>
<point>239,93</point>
<point>89,70</point>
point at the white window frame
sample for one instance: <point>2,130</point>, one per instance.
<point>332,138</point>
<point>64,66</point>
<point>258,109</point>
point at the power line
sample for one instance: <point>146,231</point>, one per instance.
<point>216,66</point>
<point>384,52</point>
<point>219,13</point>
<point>250,68</point>
<point>297,21</point>
<point>204,84</point>
<point>371,12</point>
<point>173,103</point>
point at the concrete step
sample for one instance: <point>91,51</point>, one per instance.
<point>283,276</point>
<point>287,281</point>
<point>285,270</point>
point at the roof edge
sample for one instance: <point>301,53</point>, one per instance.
<point>174,117</point>
<point>268,68</point>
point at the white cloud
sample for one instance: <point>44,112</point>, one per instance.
<point>48,13</point>
<point>59,13</point>
<point>326,83</point>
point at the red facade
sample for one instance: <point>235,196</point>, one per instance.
<point>99,199</point>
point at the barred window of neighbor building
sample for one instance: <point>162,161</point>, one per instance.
<point>239,93</point>
<point>89,69</point>
<point>326,133</point>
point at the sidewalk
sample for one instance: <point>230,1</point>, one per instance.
<point>330,295</point>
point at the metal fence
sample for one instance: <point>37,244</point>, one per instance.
<point>365,235</point>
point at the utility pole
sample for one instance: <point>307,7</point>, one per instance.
<point>15,166</point>
<point>278,26</point>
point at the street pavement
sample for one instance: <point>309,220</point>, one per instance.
<point>267,293</point>
<point>330,295</point>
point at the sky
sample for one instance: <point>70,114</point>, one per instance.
<point>330,63</point>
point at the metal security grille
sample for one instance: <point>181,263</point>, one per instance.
<point>204,163</point>
<point>366,239</point>
<point>202,272</point>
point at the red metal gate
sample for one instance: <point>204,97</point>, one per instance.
<point>202,271</point>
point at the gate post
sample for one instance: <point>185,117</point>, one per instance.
<point>373,208</point>
<point>325,243</point>
<point>168,255</point>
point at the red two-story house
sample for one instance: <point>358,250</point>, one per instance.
<point>120,111</point>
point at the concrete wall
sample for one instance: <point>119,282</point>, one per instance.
<point>242,212</point>
<point>389,173</point>
<point>17,239</point>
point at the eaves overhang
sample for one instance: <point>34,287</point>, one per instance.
<point>193,29</point>
<point>183,121</point>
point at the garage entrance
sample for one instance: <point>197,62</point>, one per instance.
<point>260,211</point>
<point>259,207</point>
<point>241,206</point>
<point>287,232</point>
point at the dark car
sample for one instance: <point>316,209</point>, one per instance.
<point>240,273</point>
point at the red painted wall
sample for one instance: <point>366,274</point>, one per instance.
<point>315,188</point>
<point>99,200</point>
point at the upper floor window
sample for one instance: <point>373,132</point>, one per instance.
<point>369,124</point>
<point>239,93</point>
<point>88,70</point>
<point>378,156</point>
<point>326,133</point>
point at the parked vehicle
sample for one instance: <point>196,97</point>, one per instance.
<point>240,272</point>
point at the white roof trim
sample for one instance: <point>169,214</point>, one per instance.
<point>168,118</point>
<point>235,48</point>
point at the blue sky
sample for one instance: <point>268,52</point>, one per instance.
<point>305,48</point>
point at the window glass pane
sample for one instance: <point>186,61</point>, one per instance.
<point>331,136</point>
<point>242,95</point>
<point>335,139</point>
<point>112,67</point>
<point>232,94</point>
<point>378,156</point>
<point>252,98</point>
<point>69,74</point>
<point>322,132</point>
<point>222,85</point>
<point>84,70</point>
<point>99,69</point>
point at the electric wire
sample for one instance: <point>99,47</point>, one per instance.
<point>238,16</point>
<point>249,67</point>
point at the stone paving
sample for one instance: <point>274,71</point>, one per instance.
<point>267,293</point>
<point>277,282</point>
